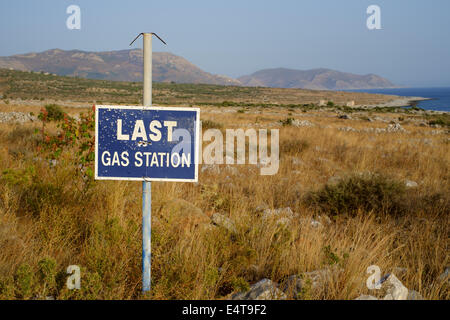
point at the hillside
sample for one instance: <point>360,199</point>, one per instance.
<point>21,85</point>
<point>123,65</point>
<point>316,79</point>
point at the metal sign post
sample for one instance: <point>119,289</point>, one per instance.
<point>146,143</point>
<point>147,185</point>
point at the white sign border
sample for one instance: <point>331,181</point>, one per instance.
<point>197,142</point>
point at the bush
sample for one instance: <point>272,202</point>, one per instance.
<point>54,112</point>
<point>287,121</point>
<point>240,284</point>
<point>24,281</point>
<point>440,121</point>
<point>367,192</point>
<point>47,272</point>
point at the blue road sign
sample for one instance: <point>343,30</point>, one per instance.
<point>146,143</point>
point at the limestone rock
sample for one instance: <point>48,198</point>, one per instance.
<point>311,221</point>
<point>293,286</point>
<point>445,275</point>
<point>395,127</point>
<point>411,184</point>
<point>280,212</point>
<point>16,117</point>
<point>395,289</point>
<point>302,123</point>
<point>224,222</point>
<point>262,290</point>
<point>283,216</point>
<point>312,280</point>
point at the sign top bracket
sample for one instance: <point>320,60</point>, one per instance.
<point>152,33</point>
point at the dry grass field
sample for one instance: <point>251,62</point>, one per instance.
<point>348,178</point>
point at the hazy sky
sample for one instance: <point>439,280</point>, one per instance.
<point>240,37</point>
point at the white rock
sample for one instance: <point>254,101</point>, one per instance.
<point>263,290</point>
<point>395,127</point>
<point>302,123</point>
<point>395,289</point>
<point>284,221</point>
<point>16,117</point>
<point>445,275</point>
<point>293,286</point>
<point>314,223</point>
<point>224,222</point>
<point>411,184</point>
<point>286,212</point>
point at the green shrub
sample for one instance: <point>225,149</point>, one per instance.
<point>18,177</point>
<point>440,121</point>
<point>7,290</point>
<point>47,272</point>
<point>287,121</point>
<point>24,281</point>
<point>240,284</point>
<point>54,112</point>
<point>367,192</point>
<point>211,276</point>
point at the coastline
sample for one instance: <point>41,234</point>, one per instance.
<point>397,102</point>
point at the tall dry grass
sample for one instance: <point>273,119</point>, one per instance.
<point>49,219</point>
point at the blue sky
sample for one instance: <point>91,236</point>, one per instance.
<point>235,38</point>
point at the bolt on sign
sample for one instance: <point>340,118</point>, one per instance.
<point>147,143</point>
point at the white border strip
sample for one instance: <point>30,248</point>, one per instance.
<point>196,151</point>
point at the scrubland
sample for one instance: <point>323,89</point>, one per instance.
<point>352,181</point>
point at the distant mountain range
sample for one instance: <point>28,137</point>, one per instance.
<point>123,65</point>
<point>126,65</point>
<point>315,79</point>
